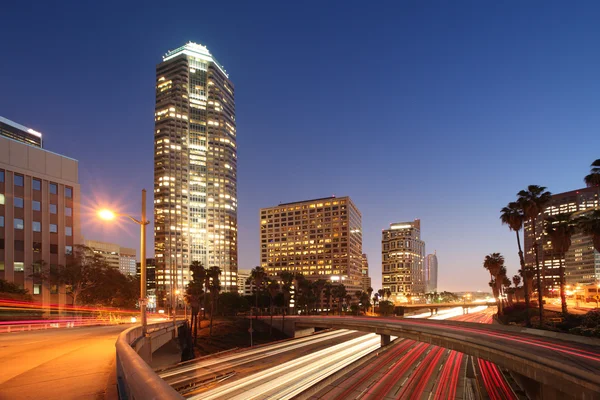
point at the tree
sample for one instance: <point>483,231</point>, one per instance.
<point>388,294</point>
<point>273,289</point>
<point>327,293</point>
<point>560,228</point>
<point>386,307</point>
<point>589,224</point>
<point>593,179</point>
<point>195,292</point>
<point>513,215</point>
<point>318,287</point>
<point>369,293</point>
<point>214,287</point>
<point>287,281</point>
<point>494,263</point>
<point>339,292</point>
<point>533,200</point>
<point>257,277</point>
<point>516,279</point>
<point>12,291</point>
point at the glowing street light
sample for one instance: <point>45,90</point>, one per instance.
<point>109,215</point>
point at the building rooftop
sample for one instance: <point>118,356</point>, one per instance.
<point>24,130</point>
<point>197,51</point>
<point>311,200</point>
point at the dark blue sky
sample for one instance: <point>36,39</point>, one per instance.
<point>416,109</point>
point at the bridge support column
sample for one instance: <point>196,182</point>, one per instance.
<point>385,340</point>
<point>538,391</point>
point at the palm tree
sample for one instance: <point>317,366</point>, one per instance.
<point>339,292</point>
<point>494,263</point>
<point>215,288</point>
<point>516,279</point>
<point>388,294</point>
<point>560,228</point>
<point>328,292</point>
<point>318,287</point>
<point>534,200</point>
<point>194,292</point>
<point>369,293</point>
<point>287,280</point>
<point>273,289</point>
<point>514,216</point>
<point>257,276</point>
<point>589,224</point>
<point>593,179</point>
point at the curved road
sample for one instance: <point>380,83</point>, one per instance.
<point>76,363</point>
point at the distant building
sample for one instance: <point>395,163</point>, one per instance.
<point>431,272</point>
<point>117,257</point>
<point>403,253</point>
<point>20,133</point>
<point>243,286</point>
<point>366,279</point>
<point>150,280</point>
<point>320,239</point>
<point>39,210</point>
<point>195,168</point>
<point>582,261</point>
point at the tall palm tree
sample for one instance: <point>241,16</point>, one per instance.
<point>339,292</point>
<point>593,179</point>
<point>318,287</point>
<point>194,292</point>
<point>273,289</point>
<point>287,281</point>
<point>258,275</point>
<point>327,293</point>
<point>589,224</point>
<point>560,228</point>
<point>513,215</point>
<point>494,263</point>
<point>388,294</point>
<point>516,280</point>
<point>215,288</point>
<point>533,200</point>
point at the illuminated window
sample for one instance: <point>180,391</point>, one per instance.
<point>37,288</point>
<point>19,267</point>
<point>1,199</point>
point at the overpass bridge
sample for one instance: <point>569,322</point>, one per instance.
<point>433,308</point>
<point>549,365</point>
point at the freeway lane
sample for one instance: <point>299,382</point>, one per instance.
<point>57,364</point>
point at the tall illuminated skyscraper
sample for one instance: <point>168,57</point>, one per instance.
<point>431,272</point>
<point>195,168</point>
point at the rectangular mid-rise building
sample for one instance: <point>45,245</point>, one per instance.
<point>39,215</point>
<point>582,261</point>
<point>117,257</point>
<point>402,256</point>
<point>320,239</point>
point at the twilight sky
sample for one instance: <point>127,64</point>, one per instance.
<point>435,110</point>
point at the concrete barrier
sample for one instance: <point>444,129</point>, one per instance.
<point>135,378</point>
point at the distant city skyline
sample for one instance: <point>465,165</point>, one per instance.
<point>442,113</point>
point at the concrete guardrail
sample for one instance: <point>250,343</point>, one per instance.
<point>135,379</point>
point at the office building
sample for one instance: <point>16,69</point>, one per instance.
<point>20,133</point>
<point>431,272</point>
<point>582,262</point>
<point>244,286</point>
<point>150,280</point>
<point>39,214</point>
<point>117,257</point>
<point>366,279</point>
<point>403,254</point>
<point>195,168</point>
<point>320,238</point>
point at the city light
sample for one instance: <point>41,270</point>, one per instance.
<point>106,215</point>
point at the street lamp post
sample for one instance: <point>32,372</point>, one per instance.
<point>110,215</point>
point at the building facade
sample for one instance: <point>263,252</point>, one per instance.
<point>117,257</point>
<point>582,261</point>
<point>244,286</point>
<point>150,281</point>
<point>20,133</point>
<point>39,214</point>
<point>366,279</point>
<point>195,168</point>
<point>431,272</point>
<point>402,255</point>
<point>320,239</point>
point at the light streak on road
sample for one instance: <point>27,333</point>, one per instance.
<point>299,371</point>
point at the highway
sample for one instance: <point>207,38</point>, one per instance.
<point>198,377</point>
<point>77,363</point>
